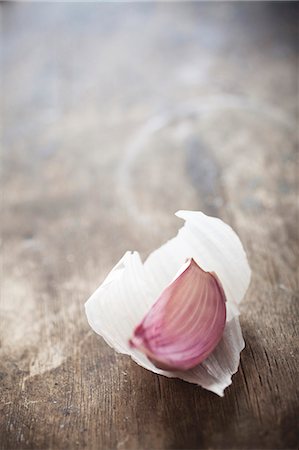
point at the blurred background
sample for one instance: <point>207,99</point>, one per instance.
<point>114,116</point>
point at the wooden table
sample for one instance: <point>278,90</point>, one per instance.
<point>114,117</point>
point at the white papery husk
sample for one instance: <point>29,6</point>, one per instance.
<point>131,288</point>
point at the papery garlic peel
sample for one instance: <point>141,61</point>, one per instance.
<point>132,287</point>
<point>185,323</point>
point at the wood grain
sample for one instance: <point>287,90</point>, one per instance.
<point>115,115</point>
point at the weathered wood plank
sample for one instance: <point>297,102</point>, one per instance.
<point>115,116</point>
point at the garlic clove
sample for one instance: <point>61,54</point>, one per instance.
<point>186,322</point>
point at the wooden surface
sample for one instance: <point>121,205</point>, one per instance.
<point>114,117</point>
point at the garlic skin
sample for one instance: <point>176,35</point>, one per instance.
<point>186,322</point>
<point>132,287</point>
